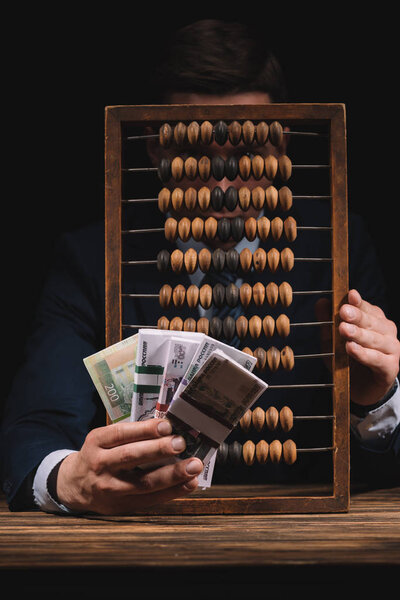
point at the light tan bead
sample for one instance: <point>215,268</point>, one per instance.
<point>244,198</point>
<point>163,323</point>
<point>287,259</point>
<point>203,325</point>
<point>171,229</point>
<point>272,292</point>
<point>165,295</point>
<point>263,228</point>
<point>179,295</point>
<point>268,326</point>
<point>255,326</point>
<point>271,197</point>
<point>177,197</point>
<point>287,358</point>
<point>283,325</point>
<point>184,229</point>
<point>289,452</point>
<point>271,166</point>
<point>245,421</point>
<point>193,133</point>
<point>275,133</point>
<point>250,228</point>
<point>285,167</point>
<point>272,418</point>
<point>285,198</point>
<point>177,261</point>
<point>257,166</point>
<point>190,167</point>
<point>204,168</point>
<point>190,198</point>
<point>197,228</point>
<point>273,258</point>
<point>245,294</point>
<point>262,451</point>
<point>273,358</point>
<point>242,326</point>
<point>286,418</point>
<point>258,197</point>
<point>262,130</point>
<point>258,294</point>
<point>189,324</point>
<point>248,132</point>
<point>210,228</point>
<point>165,135</point>
<point>258,418</point>
<point>246,259</point>
<point>180,133</point>
<point>204,260</point>
<point>177,168</point>
<point>261,357</point>
<point>249,452</point>
<point>192,296</point>
<point>204,197</point>
<point>259,260</point>
<point>206,296</point>
<point>244,167</point>
<point>206,132</point>
<point>285,293</point>
<point>234,132</point>
<point>176,324</point>
<point>290,227</point>
<point>248,350</point>
<point>275,451</point>
<point>164,200</point>
<point>190,260</point>
<point>276,228</point>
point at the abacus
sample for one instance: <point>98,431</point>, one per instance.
<point>215,179</point>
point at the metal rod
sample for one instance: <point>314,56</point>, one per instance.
<point>314,355</point>
<point>311,323</point>
<point>157,135</point>
<point>312,417</point>
<point>154,262</point>
<point>330,448</point>
<point>300,385</point>
<point>133,200</point>
<point>152,169</point>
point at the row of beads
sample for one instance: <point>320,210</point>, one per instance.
<point>261,452</point>
<point>256,166</point>
<point>194,133</point>
<point>225,228</point>
<point>259,418</point>
<point>272,358</point>
<point>219,295</point>
<point>217,199</point>
<point>219,259</point>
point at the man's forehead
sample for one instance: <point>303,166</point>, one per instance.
<point>251,97</point>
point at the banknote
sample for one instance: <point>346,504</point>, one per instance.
<point>113,373</point>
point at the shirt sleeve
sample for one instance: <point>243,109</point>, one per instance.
<point>41,493</point>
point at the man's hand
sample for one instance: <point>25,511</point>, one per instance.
<point>102,477</point>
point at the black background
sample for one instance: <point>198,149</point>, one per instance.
<point>62,70</point>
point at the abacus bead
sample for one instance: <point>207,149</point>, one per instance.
<point>257,166</point>
<point>164,200</point>
<point>246,258</point>
<point>248,351</point>
<point>290,227</point>
<point>271,418</point>
<point>222,454</point>
<point>210,228</point>
<point>245,293</point>
<point>163,323</point>
<point>261,357</point>
<point>235,132</point>
<point>287,259</point>
<point>231,168</point>
<point>235,453</point>
<point>263,228</point>
<point>289,452</point>
<point>184,229</point>
<point>258,418</point>
<point>189,324</point>
<point>218,295</point>
<point>273,258</point>
<point>190,167</point>
<point>259,260</point>
<point>244,198</point>
<point>231,198</point>
<point>220,133</point>
<point>249,452</point>
<point>228,327</point>
<point>275,451</point>
<point>164,169</point>
<point>192,296</point>
<point>285,167</point>
<point>244,167</point>
<point>177,261</point>
<point>176,324</point>
<point>180,133</point>
<point>276,133</point>
<point>276,228</point>
<point>271,166</point>
<point>262,130</point>
<point>273,358</point>
<point>250,227</point>
<point>271,197</point>
<point>287,358</point>
<point>204,260</point>
<point>224,229</point>
<point>218,167</point>
<point>203,325</point>
<point>177,168</point>
<point>232,295</point>
<point>215,328</point>
<point>268,326</point>
<point>171,229</point>
<point>258,197</point>
<point>255,326</point>
<point>193,132</point>
<point>177,199</point>
<point>272,292</point>
<point>197,228</point>
<point>204,168</point>
<point>217,198</point>
<point>203,198</point>
<point>245,421</point>
<point>237,228</point>
<point>242,326</point>
<point>285,198</point>
<point>165,295</point>
<point>163,260</point>
<point>258,293</point>
<point>206,132</point>
<point>248,131</point>
<point>286,418</point>
<point>232,260</point>
<point>206,296</point>
<point>165,135</point>
<point>218,260</point>
<point>190,198</point>
<point>262,452</point>
<point>283,325</point>
<point>285,293</point>
<point>179,295</point>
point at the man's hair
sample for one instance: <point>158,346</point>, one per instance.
<point>217,57</point>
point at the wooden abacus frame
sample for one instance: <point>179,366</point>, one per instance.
<point>330,115</point>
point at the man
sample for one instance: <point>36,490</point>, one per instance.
<point>57,455</point>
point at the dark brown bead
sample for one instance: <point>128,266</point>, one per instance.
<point>237,228</point>
<point>215,328</point>
<point>218,167</point>
<point>163,261</point>
<point>222,454</point>
<point>231,168</point>
<point>164,170</point>
<point>228,327</point>
<point>218,260</point>
<point>224,229</point>
<point>218,295</point>
<point>217,198</point>
<point>232,295</point>
<point>220,133</point>
<point>232,260</point>
<point>235,453</point>
<point>231,198</point>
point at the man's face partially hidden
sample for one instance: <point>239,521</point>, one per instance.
<point>224,151</point>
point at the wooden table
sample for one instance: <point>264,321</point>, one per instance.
<point>209,550</point>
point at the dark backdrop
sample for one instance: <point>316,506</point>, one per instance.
<point>71,66</point>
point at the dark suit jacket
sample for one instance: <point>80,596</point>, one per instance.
<point>53,403</point>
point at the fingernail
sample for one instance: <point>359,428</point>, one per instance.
<point>194,467</point>
<point>164,427</point>
<point>178,443</point>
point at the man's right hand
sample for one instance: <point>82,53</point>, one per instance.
<point>102,477</point>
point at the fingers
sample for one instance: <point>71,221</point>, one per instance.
<point>182,472</point>
<point>366,316</point>
<point>377,361</point>
<point>119,434</point>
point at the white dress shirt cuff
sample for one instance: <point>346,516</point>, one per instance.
<point>40,491</point>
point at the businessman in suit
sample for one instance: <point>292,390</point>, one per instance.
<point>56,452</point>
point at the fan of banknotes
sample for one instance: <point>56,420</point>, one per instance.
<point>200,384</point>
